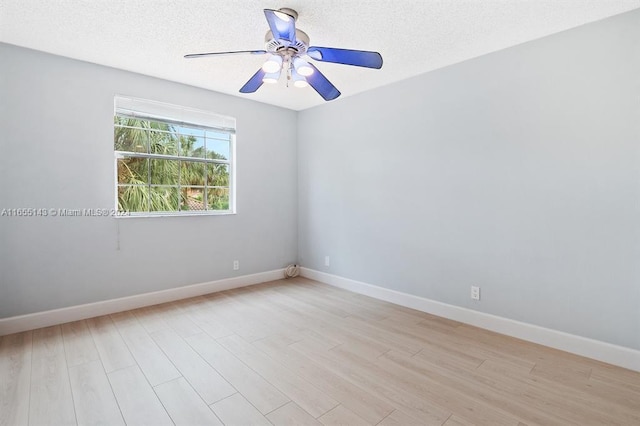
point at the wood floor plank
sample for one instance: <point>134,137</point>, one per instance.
<point>51,401</point>
<point>334,309</point>
<point>475,388</point>
<point>291,415</point>
<point>155,365</point>
<point>626,381</point>
<point>572,373</point>
<point>151,318</point>
<point>304,325</point>
<point>327,325</point>
<point>394,340</point>
<point>209,384</point>
<point>137,400</point>
<point>237,411</point>
<point>184,405</point>
<point>264,396</point>
<point>513,396</point>
<point>482,410</point>
<point>179,319</point>
<point>457,421</point>
<point>236,317</point>
<point>474,348</point>
<point>299,352</point>
<point>337,300</point>
<point>376,381</point>
<point>93,398</point>
<point>355,398</point>
<point>15,378</point>
<point>616,376</point>
<point>580,401</point>
<point>616,394</point>
<point>200,314</point>
<point>302,392</point>
<point>112,349</point>
<point>523,350</point>
<point>78,344</point>
<point>398,418</point>
<point>257,310</point>
<point>420,333</point>
<point>342,416</point>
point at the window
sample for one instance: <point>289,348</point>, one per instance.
<point>172,160</point>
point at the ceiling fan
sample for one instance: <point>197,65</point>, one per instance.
<point>288,50</point>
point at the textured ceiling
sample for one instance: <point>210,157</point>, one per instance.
<point>414,36</point>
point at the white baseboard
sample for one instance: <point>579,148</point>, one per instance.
<point>590,348</point>
<point>74,313</point>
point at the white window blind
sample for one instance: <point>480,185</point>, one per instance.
<point>174,114</point>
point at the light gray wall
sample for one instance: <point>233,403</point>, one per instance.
<point>518,172</point>
<point>56,151</point>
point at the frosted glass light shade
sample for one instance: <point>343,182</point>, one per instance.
<point>302,67</point>
<point>273,64</point>
<point>271,77</point>
<point>298,80</point>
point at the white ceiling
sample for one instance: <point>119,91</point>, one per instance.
<point>414,36</point>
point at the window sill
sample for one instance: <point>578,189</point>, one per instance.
<point>193,214</point>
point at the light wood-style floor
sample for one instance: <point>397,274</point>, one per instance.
<point>298,352</point>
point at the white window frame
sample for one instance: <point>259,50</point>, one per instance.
<point>180,116</point>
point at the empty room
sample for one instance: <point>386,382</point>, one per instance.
<point>421,212</point>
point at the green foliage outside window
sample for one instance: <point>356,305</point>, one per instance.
<point>154,174</point>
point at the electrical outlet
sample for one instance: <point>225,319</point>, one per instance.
<point>236,265</point>
<point>327,261</point>
<point>475,292</point>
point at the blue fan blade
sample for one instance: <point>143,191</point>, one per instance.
<point>359,58</point>
<point>281,29</point>
<point>254,82</point>
<point>323,86</point>
<point>237,52</point>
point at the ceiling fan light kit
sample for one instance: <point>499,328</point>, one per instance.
<point>302,67</point>
<point>271,77</point>
<point>288,49</point>
<point>299,80</point>
<point>273,64</point>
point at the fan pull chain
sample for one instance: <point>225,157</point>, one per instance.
<point>289,65</point>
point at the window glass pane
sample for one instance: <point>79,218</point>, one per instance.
<point>120,120</point>
<point>218,149</point>
<point>191,173</point>
<point>216,134</point>
<point>218,174</point>
<point>192,146</point>
<point>163,142</point>
<point>129,139</point>
<point>164,198</point>
<point>190,131</point>
<point>218,198</point>
<point>192,198</point>
<point>164,172</point>
<point>133,171</point>
<point>133,198</point>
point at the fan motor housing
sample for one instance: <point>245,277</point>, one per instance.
<point>289,12</point>
<point>277,46</point>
